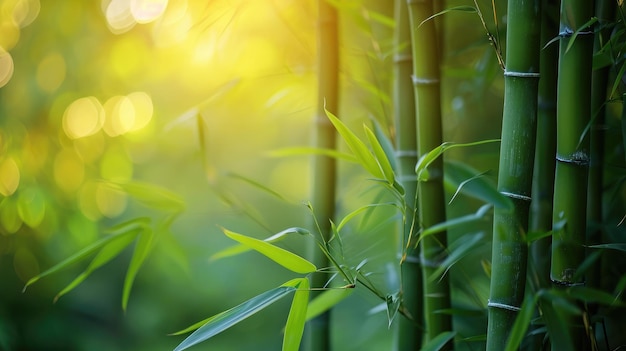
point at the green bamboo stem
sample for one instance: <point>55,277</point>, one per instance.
<point>509,252</point>
<point>408,336</point>
<point>426,79</point>
<point>543,181</point>
<point>572,151</point>
<point>317,336</point>
<point>604,11</point>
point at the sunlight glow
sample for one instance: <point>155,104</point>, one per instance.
<point>6,65</point>
<point>146,11</point>
<point>83,117</point>
<point>118,15</point>
<point>120,115</point>
<point>9,176</point>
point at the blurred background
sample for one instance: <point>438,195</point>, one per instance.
<point>193,96</point>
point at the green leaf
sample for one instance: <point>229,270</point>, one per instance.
<point>556,324</point>
<point>438,342</point>
<point>590,295</point>
<point>428,158</point>
<point>77,257</point>
<point>106,254</point>
<point>325,301</point>
<point>239,249</point>
<point>470,182</point>
<point>298,151</point>
<point>617,246</point>
<point>385,143</point>
<point>536,235</point>
<point>257,185</point>
<point>142,249</point>
<point>480,215</point>
<point>297,316</point>
<point>359,210</point>
<point>279,255</point>
<point>381,157</point>
<point>458,250</point>
<point>462,8</point>
<point>227,319</point>
<point>522,321</point>
<point>618,79</point>
<point>362,153</point>
<point>152,196</point>
<point>584,27</point>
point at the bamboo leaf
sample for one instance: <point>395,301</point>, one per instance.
<point>618,79</point>
<point>438,342</point>
<point>227,319</point>
<point>117,231</point>
<point>239,249</point>
<point>279,255</point>
<point>362,153</point>
<point>587,295</point>
<point>457,251</point>
<point>385,143</point>
<point>462,8</point>
<point>584,27</point>
<point>480,215</point>
<point>381,157</point>
<point>536,235</point>
<point>142,249</point>
<point>106,254</point>
<point>299,151</point>
<point>152,196</point>
<point>359,210</point>
<point>432,155</point>
<point>297,316</point>
<point>257,185</point>
<point>521,323</point>
<point>480,187</point>
<point>557,328</point>
<point>325,301</point>
<point>393,305</point>
<point>616,246</point>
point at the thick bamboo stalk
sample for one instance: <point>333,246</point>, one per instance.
<point>409,337</point>
<point>509,250</point>
<point>317,337</point>
<point>426,79</point>
<point>572,150</point>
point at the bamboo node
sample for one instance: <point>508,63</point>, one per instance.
<point>516,196</point>
<point>568,32</point>
<point>402,58</point>
<point>429,263</point>
<point>508,73</point>
<point>409,258</point>
<point>579,158</point>
<point>503,306</point>
<point>424,81</point>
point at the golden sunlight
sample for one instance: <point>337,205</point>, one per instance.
<point>83,117</point>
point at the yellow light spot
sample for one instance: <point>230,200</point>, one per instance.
<point>51,72</point>
<point>9,218</point>
<point>111,202</point>
<point>69,170</point>
<point>6,65</point>
<point>143,109</point>
<point>118,15</point>
<point>9,176</point>
<point>25,12</point>
<point>10,34</point>
<point>146,11</point>
<point>116,165</point>
<point>120,115</point>
<point>83,117</point>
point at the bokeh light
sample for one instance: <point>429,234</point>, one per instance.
<point>31,206</point>
<point>146,11</point>
<point>51,72</point>
<point>118,16</point>
<point>9,176</point>
<point>6,65</point>
<point>120,115</point>
<point>69,170</point>
<point>9,218</point>
<point>83,117</point>
<point>25,11</point>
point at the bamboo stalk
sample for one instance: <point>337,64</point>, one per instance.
<point>509,252</point>
<point>426,80</point>
<point>408,336</point>
<point>317,336</point>
<point>572,152</point>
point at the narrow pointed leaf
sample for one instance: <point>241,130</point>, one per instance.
<point>325,301</point>
<point>106,254</point>
<point>257,185</point>
<point>359,210</point>
<point>298,151</point>
<point>480,215</point>
<point>233,316</point>
<point>462,8</point>
<point>433,154</point>
<point>279,255</point>
<point>239,249</point>
<point>617,246</point>
<point>153,196</point>
<point>142,249</point>
<point>386,144</point>
<point>457,251</point>
<point>297,316</point>
<point>521,323</point>
<point>439,341</point>
<point>362,153</point>
<point>77,257</point>
<point>381,157</point>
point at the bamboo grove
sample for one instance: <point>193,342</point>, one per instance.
<point>552,213</point>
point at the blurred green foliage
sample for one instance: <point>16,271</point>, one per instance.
<point>94,92</point>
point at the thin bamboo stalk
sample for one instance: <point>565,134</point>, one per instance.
<point>509,251</point>
<point>408,336</point>
<point>572,152</point>
<point>317,336</point>
<point>426,79</point>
